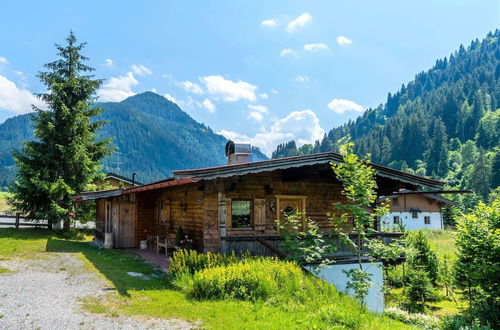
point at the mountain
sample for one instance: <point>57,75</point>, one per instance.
<point>153,137</point>
<point>445,123</point>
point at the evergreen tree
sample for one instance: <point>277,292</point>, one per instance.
<point>65,157</point>
<point>480,176</point>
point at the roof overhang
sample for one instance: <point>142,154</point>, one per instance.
<point>299,161</point>
<point>93,195</point>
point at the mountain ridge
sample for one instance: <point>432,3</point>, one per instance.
<point>153,136</point>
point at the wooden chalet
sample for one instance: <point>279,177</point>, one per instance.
<point>232,207</point>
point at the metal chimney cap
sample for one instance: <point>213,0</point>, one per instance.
<point>240,148</point>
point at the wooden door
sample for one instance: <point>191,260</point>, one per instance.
<point>126,226</point>
<point>290,205</point>
<point>114,225</point>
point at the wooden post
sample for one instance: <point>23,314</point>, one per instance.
<point>222,220</point>
<point>17,220</point>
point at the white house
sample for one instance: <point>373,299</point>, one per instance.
<point>414,210</point>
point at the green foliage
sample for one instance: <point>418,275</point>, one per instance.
<point>419,290</point>
<point>190,261</point>
<point>423,321</point>
<point>304,241</point>
<point>454,103</point>
<point>423,256</point>
<point>477,269</point>
<point>65,157</point>
<point>359,189</point>
<point>253,279</point>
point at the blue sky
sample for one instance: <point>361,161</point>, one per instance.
<point>262,71</point>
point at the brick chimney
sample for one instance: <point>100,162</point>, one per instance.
<point>237,152</point>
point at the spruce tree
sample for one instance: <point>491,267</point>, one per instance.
<point>65,156</point>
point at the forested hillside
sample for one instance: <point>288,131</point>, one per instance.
<point>153,137</point>
<point>444,124</point>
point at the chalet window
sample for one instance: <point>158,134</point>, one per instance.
<point>414,215</point>
<point>427,220</point>
<point>241,214</point>
<point>396,219</point>
<point>395,201</point>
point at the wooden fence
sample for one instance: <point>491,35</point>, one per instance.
<point>17,223</point>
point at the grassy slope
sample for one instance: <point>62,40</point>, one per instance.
<point>3,202</point>
<point>157,297</point>
<point>443,242</point>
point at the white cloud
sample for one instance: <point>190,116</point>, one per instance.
<point>258,108</point>
<point>300,21</point>
<point>341,40</point>
<point>301,78</point>
<point>264,96</point>
<point>341,106</point>
<point>109,63</point>
<point>192,87</point>
<point>268,23</point>
<point>287,52</point>
<point>15,99</point>
<point>227,90</point>
<point>301,126</point>
<point>188,103</point>
<point>207,104</point>
<point>118,88</point>
<point>141,70</point>
<point>256,116</point>
<point>315,47</point>
<point>3,60</point>
<point>274,91</point>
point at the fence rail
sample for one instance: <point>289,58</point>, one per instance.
<point>17,222</point>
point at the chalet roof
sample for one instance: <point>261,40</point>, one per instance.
<point>433,194</point>
<point>170,182</point>
<point>298,161</point>
<point>90,195</point>
<point>121,178</point>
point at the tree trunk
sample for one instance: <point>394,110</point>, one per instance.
<point>66,224</point>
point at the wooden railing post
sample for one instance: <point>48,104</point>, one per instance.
<point>17,220</point>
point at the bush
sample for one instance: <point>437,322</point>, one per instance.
<point>251,279</point>
<point>418,320</point>
<point>419,291</point>
<point>190,261</point>
<point>424,256</point>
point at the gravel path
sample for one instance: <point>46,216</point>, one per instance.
<point>45,293</point>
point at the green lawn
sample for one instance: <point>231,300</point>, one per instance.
<point>157,297</point>
<point>3,202</point>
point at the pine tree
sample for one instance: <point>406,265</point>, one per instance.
<point>65,157</point>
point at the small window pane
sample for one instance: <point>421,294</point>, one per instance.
<point>241,212</point>
<point>427,220</point>
<point>414,215</point>
<point>396,219</point>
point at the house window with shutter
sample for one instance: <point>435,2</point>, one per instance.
<point>427,220</point>
<point>241,214</point>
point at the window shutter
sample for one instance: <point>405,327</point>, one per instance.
<point>228,213</point>
<point>259,217</point>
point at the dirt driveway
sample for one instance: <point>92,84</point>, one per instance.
<point>47,293</point>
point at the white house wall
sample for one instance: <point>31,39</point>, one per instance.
<point>375,299</point>
<point>387,222</point>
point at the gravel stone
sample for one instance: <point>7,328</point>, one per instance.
<point>46,293</point>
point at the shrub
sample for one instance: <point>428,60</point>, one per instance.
<point>418,320</point>
<point>419,291</point>
<point>251,279</point>
<point>424,256</point>
<point>190,261</point>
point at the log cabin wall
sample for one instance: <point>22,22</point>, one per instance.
<point>317,184</point>
<point>100,219</point>
<point>183,207</point>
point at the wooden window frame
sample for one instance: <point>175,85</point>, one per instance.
<point>293,197</point>
<point>394,217</point>
<point>251,227</point>
<point>427,217</point>
<point>395,201</point>
<point>414,215</point>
